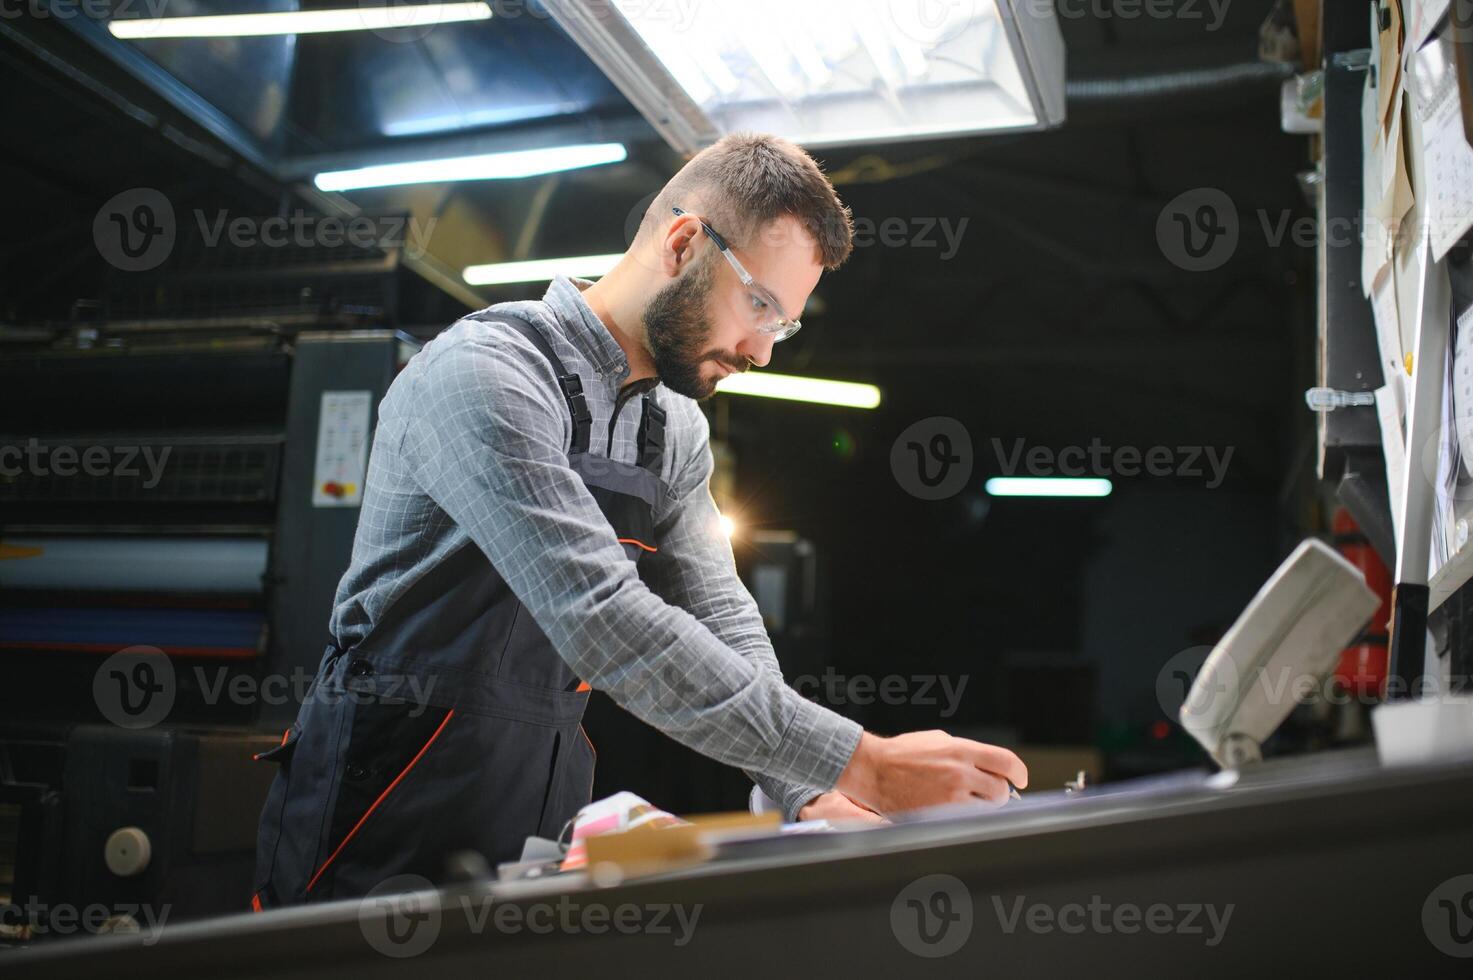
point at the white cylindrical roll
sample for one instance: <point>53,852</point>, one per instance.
<point>127,852</point>
<point>134,564</point>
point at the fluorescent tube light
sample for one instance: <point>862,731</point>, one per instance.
<point>825,72</point>
<point>541,270</point>
<point>1047,486</point>
<point>300,21</point>
<point>486,166</point>
<point>820,391</point>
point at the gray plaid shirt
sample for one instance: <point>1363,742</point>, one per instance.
<point>472,444</point>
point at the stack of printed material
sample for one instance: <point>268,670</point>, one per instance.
<point>613,814</point>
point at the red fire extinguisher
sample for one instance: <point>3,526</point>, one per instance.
<point>1362,668</point>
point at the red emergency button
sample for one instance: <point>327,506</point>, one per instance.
<point>333,489</point>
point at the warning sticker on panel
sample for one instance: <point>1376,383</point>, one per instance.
<point>342,448</point>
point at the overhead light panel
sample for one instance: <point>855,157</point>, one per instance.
<point>1047,486</point>
<point>541,270</point>
<point>485,166</point>
<point>366,18</point>
<point>819,391</point>
<point>827,72</point>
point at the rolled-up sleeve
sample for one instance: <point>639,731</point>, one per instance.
<point>485,435</point>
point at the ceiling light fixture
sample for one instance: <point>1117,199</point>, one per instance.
<point>827,72</point>
<point>299,21</point>
<point>541,270</point>
<point>486,166</point>
<point>819,391</point>
<point>1047,486</point>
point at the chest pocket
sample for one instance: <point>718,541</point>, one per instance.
<point>627,495</point>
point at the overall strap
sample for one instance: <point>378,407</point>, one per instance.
<point>651,435</point>
<point>571,384</point>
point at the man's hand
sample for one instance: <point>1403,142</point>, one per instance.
<point>928,769</point>
<point>837,806</point>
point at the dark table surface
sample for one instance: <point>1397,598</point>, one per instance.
<point>1313,864</point>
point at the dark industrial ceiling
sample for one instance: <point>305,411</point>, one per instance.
<point>1055,295</point>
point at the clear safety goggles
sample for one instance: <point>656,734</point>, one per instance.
<point>768,317</point>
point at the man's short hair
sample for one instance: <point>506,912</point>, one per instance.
<point>745,181</point>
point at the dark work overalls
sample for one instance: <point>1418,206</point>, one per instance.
<point>379,777</point>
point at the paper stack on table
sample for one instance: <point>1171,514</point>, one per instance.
<point>612,814</point>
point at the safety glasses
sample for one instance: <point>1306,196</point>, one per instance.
<point>768,317</point>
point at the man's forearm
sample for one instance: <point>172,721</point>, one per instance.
<point>695,571</point>
<point>744,633</point>
<point>741,629</point>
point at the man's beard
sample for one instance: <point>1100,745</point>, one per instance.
<point>677,330</point>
